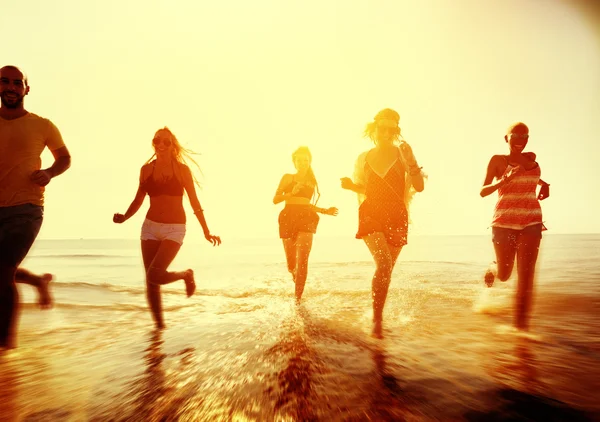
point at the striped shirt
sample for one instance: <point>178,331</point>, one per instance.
<point>518,206</point>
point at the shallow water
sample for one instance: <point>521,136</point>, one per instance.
<point>241,350</point>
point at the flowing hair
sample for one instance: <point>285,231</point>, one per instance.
<point>180,154</point>
<point>310,173</point>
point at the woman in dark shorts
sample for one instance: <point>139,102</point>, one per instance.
<point>298,220</point>
<point>385,178</point>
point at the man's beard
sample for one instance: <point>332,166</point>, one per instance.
<point>11,104</point>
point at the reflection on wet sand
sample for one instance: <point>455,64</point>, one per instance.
<point>387,401</point>
<point>293,363</point>
<point>294,393</point>
<point>150,396</point>
<point>152,390</point>
<point>524,396</point>
<point>9,389</point>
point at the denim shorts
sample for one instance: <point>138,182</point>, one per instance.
<point>19,227</point>
<point>151,230</point>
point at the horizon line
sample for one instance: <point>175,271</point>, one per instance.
<point>320,236</point>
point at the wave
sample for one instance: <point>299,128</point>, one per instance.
<point>119,307</point>
<point>82,255</point>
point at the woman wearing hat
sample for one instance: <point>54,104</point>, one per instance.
<point>385,178</point>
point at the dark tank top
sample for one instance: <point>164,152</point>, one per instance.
<point>389,188</point>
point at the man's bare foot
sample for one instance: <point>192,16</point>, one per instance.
<point>377,329</point>
<point>44,297</point>
<point>190,283</point>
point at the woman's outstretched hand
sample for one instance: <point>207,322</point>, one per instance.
<point>215,240</point>
<point>330,211</point>
<point>119,218</point>
<point>347,183</point>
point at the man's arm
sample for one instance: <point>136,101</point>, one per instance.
<point>62,161</point>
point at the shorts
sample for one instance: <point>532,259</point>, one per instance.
<point>19,227</point>
<point>294,219</point>
<point>152,230</point>
<point>389,218</point>
<point>505,235</point>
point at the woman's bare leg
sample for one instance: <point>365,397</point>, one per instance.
<point>385,257</point>
<point>303,246</point>
<point>528,246</point>
<point>505,259</point>
<point>149,249</point>
<point>289,246</point>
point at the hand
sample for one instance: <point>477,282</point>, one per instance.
<point>347,183</point>
<point>511,174</point>
<point>407,154</point>
<point>41,177</point>
<point>331,211</point>
<point>544,192</point>
<point>296,188</point>
<point>119,218</point>
<point>215,240</point>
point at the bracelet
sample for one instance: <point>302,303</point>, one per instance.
<point>414,170</point>
<point>199,210</point>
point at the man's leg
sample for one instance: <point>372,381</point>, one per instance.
<point>19,226</point>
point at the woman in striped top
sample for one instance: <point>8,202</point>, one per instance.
<point>517,223</point>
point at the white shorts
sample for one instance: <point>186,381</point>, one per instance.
<point>152,230</point>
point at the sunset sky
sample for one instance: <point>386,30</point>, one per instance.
<point>246,82</point>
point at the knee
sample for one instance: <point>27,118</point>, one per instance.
<point>384,266</point>
<point>504,271</point>
<point>154,275</point>
<point>503,275</point>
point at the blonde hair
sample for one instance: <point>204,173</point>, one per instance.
<point>310,173</point>
<point>385,114</point>
<point>180,154</point>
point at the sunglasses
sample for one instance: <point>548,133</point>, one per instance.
<point>165,142</point>
<point>384,129</point>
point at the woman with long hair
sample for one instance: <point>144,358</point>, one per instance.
<point>385,178</point>
<point>298,220</point>
<point>164,177</point>
<point>517,223</point>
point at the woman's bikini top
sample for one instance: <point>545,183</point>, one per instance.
<point>169,187</point>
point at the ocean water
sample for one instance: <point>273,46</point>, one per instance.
<point>240,349</point>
